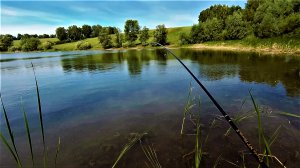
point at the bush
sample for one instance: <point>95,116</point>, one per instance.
<point>46,45</point>
<point>14,49</point>
<point>30,44</point>
<point>212,30</point>
<point>183,39</point>
<point>105,40</point>
<point>235,26</point>
<point>5,42</point>
<point>83,45</point>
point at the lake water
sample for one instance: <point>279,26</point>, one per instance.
<point>95,100</point>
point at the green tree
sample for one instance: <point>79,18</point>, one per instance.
<point>212,30</point>
<point>235,26</point>
<point>144,35</point>
<point>105,39</point>
<point>5,42</point>
<point>131,30</point>
<point>183,39</point>
<point>96,29</point>
<point>160,34</point>
<point>61,33</point>
<point>217,11</point>
<point>197,34</point>
<point>29,44</point>
<point>119,38</point>
<point>74,33</point>
<point>86,31</point>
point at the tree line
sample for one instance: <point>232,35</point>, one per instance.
<point>259,19</point>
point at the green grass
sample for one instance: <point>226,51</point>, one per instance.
<point>283,43</point>
<point>280,43</point>
<point>13,149</point>
<point>17,42</point>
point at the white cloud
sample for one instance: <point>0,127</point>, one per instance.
<point>16,12</point>
<point>29,29</point>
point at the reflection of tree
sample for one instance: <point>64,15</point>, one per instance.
<point>213,65</point>
<point>90,63</point>
<point>250,67</point>
<point>134,63</point>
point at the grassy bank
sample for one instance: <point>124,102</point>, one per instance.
<point>275,45</point>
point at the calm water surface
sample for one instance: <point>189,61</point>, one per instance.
<point>94,101</point>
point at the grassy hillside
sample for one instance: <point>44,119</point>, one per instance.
<point>281,44</point>
<point>173,35</point>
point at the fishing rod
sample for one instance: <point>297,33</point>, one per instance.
<point>226,116</point>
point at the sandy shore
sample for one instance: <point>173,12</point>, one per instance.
<point>276,50</point>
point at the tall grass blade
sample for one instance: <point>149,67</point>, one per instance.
<point>28,133</point>
<point>289,114</point>
<point>40,114</point>
<point>217,162</point>
<point>127,147</point>
<point>261,135</point>
<point>10,149</point>
<point>10,132</point>
<point>188,106</point>
<point>151,155</point>
<point>57,152</point>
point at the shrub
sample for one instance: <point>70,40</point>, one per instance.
<point>105,40</point>
<point>183,39</point>
<point>5,42</point>
<point>29,44</point>
<point>14,49</point>
<point>212,29</point>
<point>83,45</point>
<point>46,45</point>
<point>235,26</point>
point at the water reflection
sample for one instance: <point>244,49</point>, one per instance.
<point>213,65</point>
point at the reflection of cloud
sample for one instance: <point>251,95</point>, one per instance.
<point>30,29</point>
<point>16,12</point>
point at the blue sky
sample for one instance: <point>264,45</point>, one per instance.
<point>45,16</point>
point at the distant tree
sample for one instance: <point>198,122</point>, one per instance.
<point>46,36</point>
<point>52,36</point>
<point>34,36</point>
<point>105,39</point>
<point>74,33</point>
<point>19,36</point>
<point>96,29</point>
<point>235,26</point>
<point>119,38</point>
<point>160,34</point>
<point>217,11</point>
<point>131,30</point>
<point>111,30</point>
<point>61,33</point>
<point>144,35</point>
<point>86,31</point>
<point>29,43</point>
<point>5,42</point>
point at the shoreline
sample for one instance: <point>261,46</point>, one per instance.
<point>274,50</point>
<point>241,48</point>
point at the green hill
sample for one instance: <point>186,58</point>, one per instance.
<point>173,35</point>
